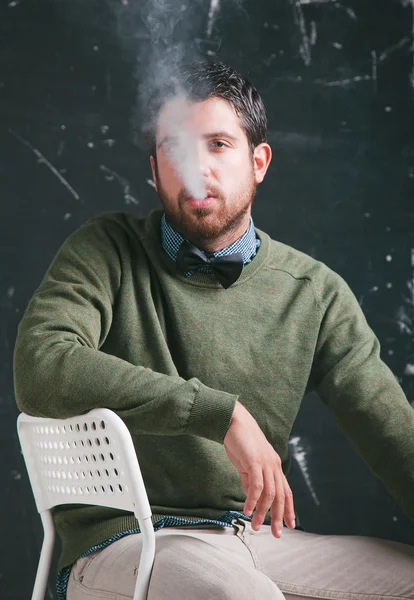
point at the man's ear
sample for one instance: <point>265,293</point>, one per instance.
<point>262,157</point>
<point>154,172</point>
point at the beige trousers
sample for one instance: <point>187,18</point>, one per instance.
<point>236,563</point>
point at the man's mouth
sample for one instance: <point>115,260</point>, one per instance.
<point>201,203</point>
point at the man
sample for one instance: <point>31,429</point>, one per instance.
<point>204,334</point>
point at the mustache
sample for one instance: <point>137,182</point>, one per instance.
<point>211,190</point>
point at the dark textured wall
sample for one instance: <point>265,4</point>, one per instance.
<point>338,82</point>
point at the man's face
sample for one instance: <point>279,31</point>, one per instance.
<point>217,150</point>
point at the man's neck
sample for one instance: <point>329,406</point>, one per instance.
<point>214,245</point>
<point>223,240</point>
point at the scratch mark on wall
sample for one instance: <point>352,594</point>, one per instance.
<point>299,19</point>
<point>374,71</point>
<point>386,53</point>
<point>61,148</point>
<point>410,283</point>
<point>49,165</point>
<point>411,3</point>
<point>343,82</point>
<point>409,369</point>
<point>351,13</point>
<point>129,199</point>
<point>299,454</point>
<point>404,321</point>
<point>313,34</point>
<point>214,7</point>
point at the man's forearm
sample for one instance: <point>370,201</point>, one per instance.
<point>61,379</point>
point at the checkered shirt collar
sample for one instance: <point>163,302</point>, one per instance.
<point>247,244</point>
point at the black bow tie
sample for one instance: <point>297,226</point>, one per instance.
<point>227,269</point>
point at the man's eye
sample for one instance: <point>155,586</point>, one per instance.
<point>218,144</point>
<point>170,147</point>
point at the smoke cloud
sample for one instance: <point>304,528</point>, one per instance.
<point>161,36</point>
<point>164,35</point>
<point>168,34</point>
<point>171,27</point>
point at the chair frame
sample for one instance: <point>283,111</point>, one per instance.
<point>85,459</point>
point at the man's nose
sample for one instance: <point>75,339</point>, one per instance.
<point>203,158</point>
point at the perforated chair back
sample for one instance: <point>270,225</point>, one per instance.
<point>88,459</point>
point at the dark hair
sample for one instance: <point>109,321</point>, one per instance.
<point>212,79</point>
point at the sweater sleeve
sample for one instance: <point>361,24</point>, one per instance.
<point>61,371</point>
<point>367,402</point>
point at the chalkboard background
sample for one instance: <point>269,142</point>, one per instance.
<point>338,81</point>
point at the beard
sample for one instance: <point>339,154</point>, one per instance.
<point>198,224</point>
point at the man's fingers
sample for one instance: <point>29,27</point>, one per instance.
<point>266,498</point>
<point>278,506</point>
<point>289,510</point>
<point>254,491</point>
<point>261,473</point>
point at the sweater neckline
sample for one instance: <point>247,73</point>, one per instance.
<point>204,279</point>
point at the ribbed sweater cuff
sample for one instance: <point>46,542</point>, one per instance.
<point>211,414</point>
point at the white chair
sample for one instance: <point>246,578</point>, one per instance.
<point>88,459</point>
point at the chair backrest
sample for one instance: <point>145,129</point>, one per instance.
<point>87,459</point>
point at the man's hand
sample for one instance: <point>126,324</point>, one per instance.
<point>260,469</point>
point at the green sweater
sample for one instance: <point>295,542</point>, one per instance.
<point>113,325</point>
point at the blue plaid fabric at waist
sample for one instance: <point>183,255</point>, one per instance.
<point>225,520</point>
